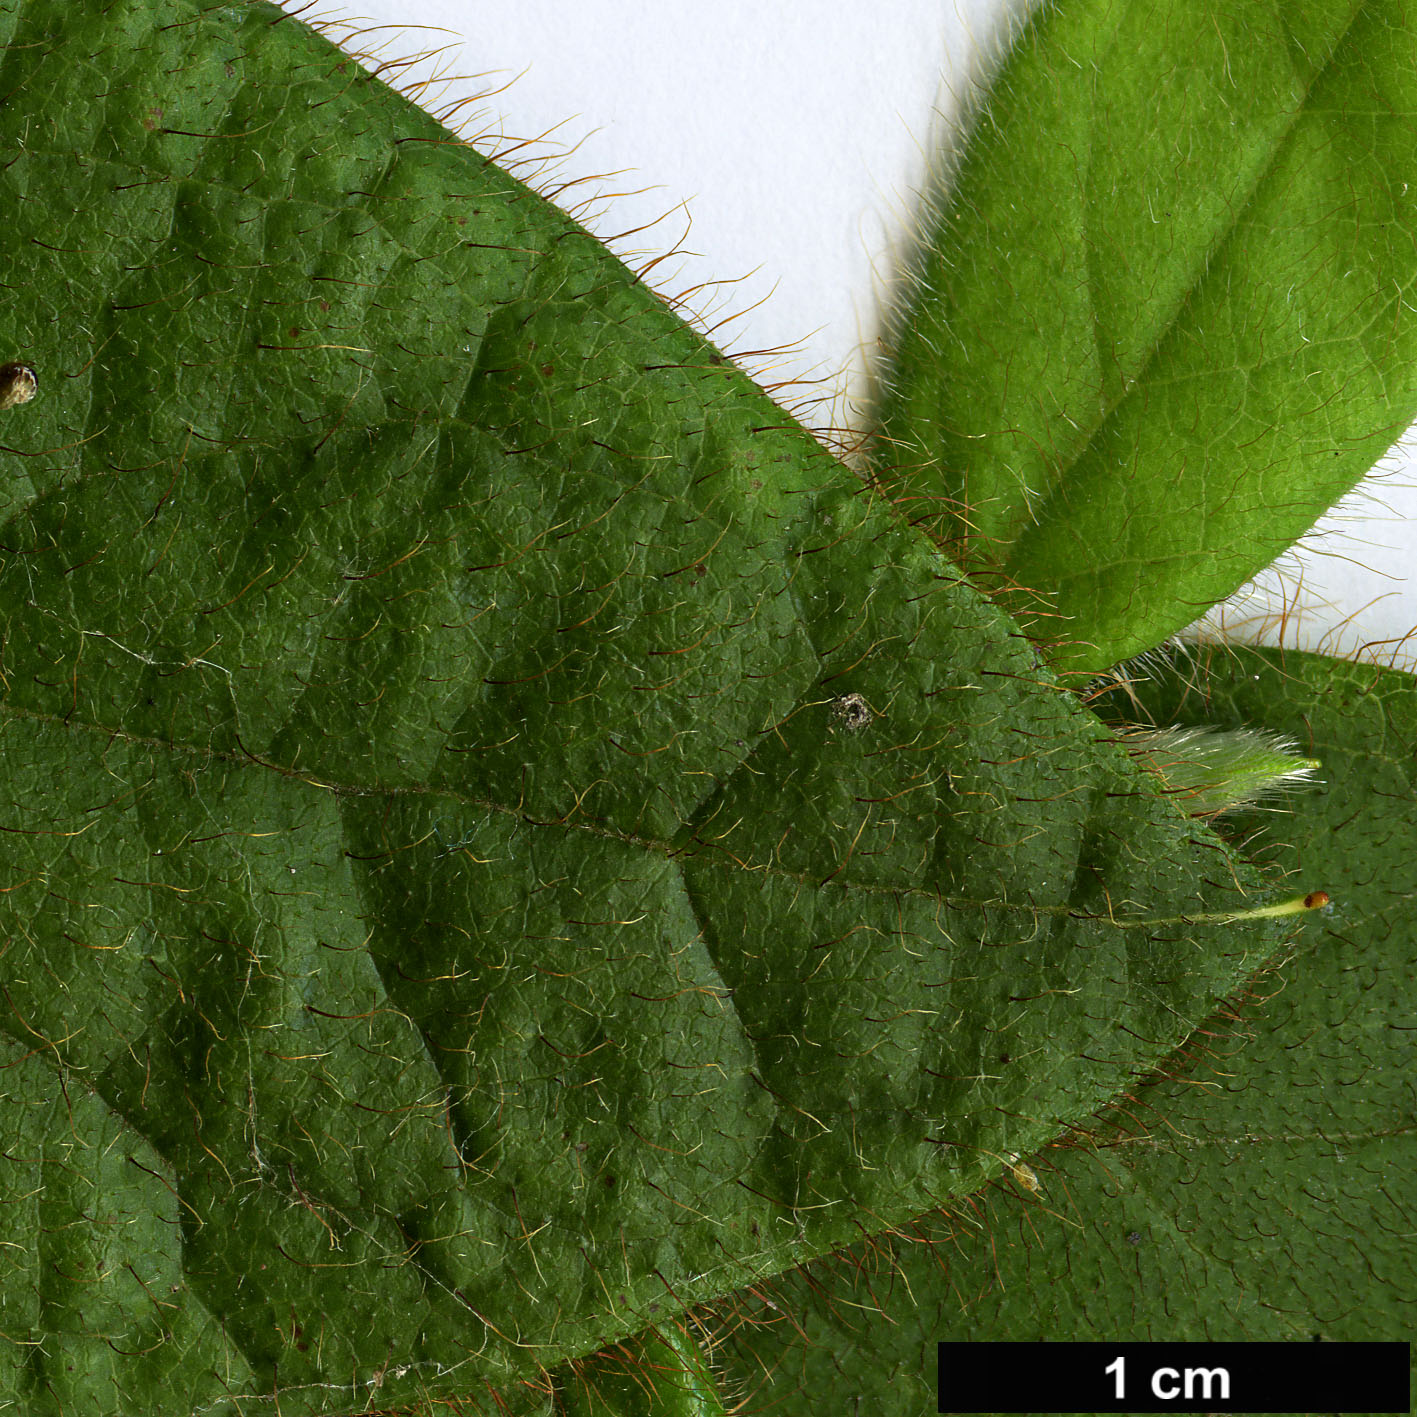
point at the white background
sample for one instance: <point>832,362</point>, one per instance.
<point>775,146</point>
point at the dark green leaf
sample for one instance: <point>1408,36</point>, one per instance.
<point>1262,1188</point>
<point>503,839</point>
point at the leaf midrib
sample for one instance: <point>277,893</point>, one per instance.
<point>1040,513</point>
<point>720,860</point>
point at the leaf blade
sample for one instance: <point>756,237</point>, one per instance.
<point>1241,1195</point>
<point>424,658</point>
<point>1127,418</point>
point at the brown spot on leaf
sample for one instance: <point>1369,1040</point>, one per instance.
<point>18,384</point>
<point>852,712</point>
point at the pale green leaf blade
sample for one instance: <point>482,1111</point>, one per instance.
<point>1166,318</point>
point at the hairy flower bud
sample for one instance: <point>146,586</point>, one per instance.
<point>1212,770</point>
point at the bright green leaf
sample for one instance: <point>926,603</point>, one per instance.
<point>1166,316</point>
<point>659,1374</point>
<point>1261,1189</point>
<point>503,838</point>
